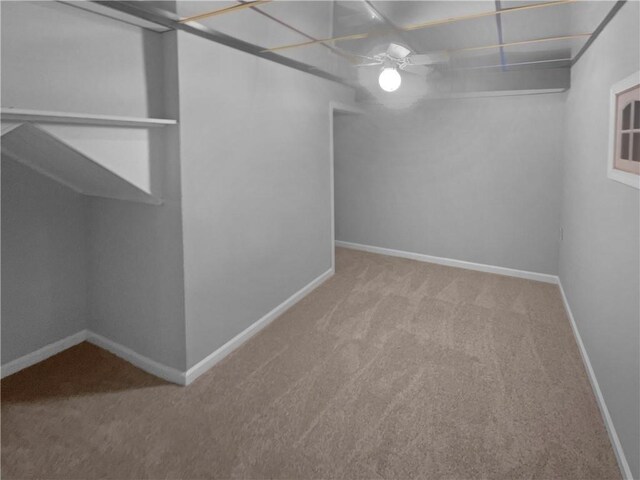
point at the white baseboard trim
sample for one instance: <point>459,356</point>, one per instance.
<point>140,361</point>
<point>151,366</point>
<point>143,363</point>
<point>205,364</point>
<point>611,429</point>
<point>43,353</point>
<point>450,262</point>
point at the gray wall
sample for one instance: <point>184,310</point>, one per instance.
<point>44,268</point>
<point>474,179</point>
<point>57,57</point>
<point>136,264</point>
<point>599,256</point>
<point>255,182</point>
<point>61,58</point>
<point>244,137</point>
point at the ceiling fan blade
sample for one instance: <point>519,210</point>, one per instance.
<point>371,64</point>
<point>428,58</point>
<point>422,70</point>
<point>397,51</point>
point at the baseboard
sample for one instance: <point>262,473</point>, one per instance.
<point>151,366</point>
<point>43,353</point>
<point>611,429</point>
<point>209,361</point>
<point>143,363</point>
<point>450,262</point>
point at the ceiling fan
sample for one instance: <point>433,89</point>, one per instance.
<point>399,57</point>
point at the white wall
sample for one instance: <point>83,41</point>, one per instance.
<point>136,263</point>
<point>44,264</point>
<point>474,179</point>
<point>255,160</point>
<point>255,182</point>
<point>61,58</point>
<point>599,257</point>
<point>57,57</point>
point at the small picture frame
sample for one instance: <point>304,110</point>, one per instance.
<point>624,131</point>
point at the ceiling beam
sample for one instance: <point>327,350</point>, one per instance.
<point>618,5</point>
<point>565,61</point>
<point>472,16</point>
<point>170,20</point>
<point>419,26</point>
<point>354,36</point>
<point>522,42</point>
<point>223,11</point>
<point>503,59</point>
<point>347,56</point>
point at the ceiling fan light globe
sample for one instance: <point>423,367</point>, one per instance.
<point>389,79</point>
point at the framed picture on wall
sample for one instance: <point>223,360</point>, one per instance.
<point>624,133</point>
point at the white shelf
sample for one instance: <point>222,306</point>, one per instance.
<point>49,155</point>
<point>42,116</point>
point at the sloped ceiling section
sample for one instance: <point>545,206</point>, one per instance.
<point>41,148</point>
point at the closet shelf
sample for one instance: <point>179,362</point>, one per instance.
<point>47,154</point>
<point>43,116</point>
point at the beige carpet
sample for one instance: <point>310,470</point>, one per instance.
<point>391,369</point>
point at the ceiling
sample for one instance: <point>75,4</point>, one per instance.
<point>331,37</point>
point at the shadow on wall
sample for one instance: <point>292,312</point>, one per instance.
<point>83,370</point>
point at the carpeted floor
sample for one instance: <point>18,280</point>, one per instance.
<point>391,369</point>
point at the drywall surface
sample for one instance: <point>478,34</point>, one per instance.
<point>44,274</point>
<point>88,63</point>
<point>136,263</point>
<point>474,179</point>
<point>599,256</point>
<point>254,139</point>
<point>58,57</point>
<point>61,58</point>
<point>136,291</point>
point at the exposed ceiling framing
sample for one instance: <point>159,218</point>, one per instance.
<point>618,5</point>
<point>162,17</point>
<point>423,25</point>
<point>522,42</point>
<point>223,11</point>
<point>563,49</point>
